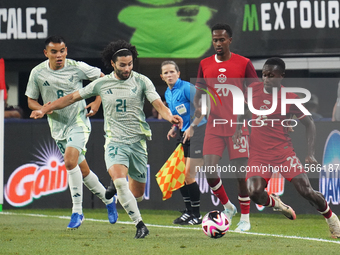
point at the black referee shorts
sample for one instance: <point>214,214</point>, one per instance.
<point>194,147</point>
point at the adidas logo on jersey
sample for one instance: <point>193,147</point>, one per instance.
<point>46,83</point>
<point>71,79</point>
<point>109,91</point>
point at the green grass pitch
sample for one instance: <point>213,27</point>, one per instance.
<point>44,232</point>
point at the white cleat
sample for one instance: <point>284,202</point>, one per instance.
<point>243,226</point>
<point>281,207</point>
<point>334,225</point>
<point>230,213</point>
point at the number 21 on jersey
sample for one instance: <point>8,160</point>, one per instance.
<point>121,105</point>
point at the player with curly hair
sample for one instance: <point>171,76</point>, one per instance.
<point>123,92</point>
<point>70,127</point>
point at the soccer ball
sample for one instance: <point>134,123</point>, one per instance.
<point>215,224</point>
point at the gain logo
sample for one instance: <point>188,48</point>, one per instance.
<point>30,181</point>
<point>329,178</point>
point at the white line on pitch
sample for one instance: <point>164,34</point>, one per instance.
<point>179,227</point>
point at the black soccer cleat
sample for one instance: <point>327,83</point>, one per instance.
<point>142,230</point>
<point>194,220</point>
<point>110,191</point>
<point>183,219</point>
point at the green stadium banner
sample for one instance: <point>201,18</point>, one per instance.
<point>170,28</point>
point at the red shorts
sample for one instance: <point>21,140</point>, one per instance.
<point>215,145</point>
<point>264,166</point>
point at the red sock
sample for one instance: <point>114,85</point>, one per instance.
<point>270,202</point>
<point>327,213</point>
<point>218,190</point>
<point>244,204</point>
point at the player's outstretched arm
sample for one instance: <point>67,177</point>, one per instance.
<point>311,135</point>
<point>33,104</point>
<point>166,113</point>
<point>57,104</point>
<point>94,106</point>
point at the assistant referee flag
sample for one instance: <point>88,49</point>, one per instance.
<point>172,174</point>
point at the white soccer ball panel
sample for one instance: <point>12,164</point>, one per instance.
<point>215,224</point>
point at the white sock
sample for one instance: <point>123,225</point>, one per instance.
<point>228,205</point>
<point>75,182</point>
<point>92,182</point>
<point>127,200</point>
<point>244,217</point>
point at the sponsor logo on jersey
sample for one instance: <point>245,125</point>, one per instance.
<point>46,83</point>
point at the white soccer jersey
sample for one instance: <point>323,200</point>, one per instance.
<point>123,102</point>
<point>53,84</point>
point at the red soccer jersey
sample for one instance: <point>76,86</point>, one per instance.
<point>270,138</point>
<point>231,72</point>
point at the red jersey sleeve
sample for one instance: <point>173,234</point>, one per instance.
<point>250,74</point>
<point>200,82</point>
